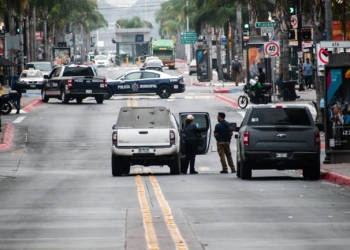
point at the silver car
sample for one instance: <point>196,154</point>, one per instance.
<point>192,67</point>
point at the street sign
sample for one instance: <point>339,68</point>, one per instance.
<point>265,24</point>
<point>188,37</point>
<point>323,55</point>
<point>223,40</point>
<point>294,21</point>
<point>270,32</point>
<point>335,44</point>
<point>272,48</point>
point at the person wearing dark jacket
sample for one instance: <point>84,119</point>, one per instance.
<point>191,132</point>
<point>223,136</point>
<point>15,86</point>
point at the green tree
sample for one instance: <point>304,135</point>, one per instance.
<point>134,22</point>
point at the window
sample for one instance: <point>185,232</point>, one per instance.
<point>133,76</point>
<point>147,75</point>
<point>279,116</point>
<point>78,71</point>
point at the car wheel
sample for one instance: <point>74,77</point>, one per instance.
<point>116,166</point>
<point>246,171</point>
<point>164,91</point>
<point>99,99</point>
<point>6,108</point>
<point>79,100</point>
<point>126,166</point>
<point>64,97</point>
<point>313,171</point>
<point>109,93</point>
<point>175,165</point>
<point>44,97</point>
<point>238,168</point>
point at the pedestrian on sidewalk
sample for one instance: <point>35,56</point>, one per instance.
<point>307,72</point>
<point>16,86</point>
<point>236,69</point>
<point>191,134</point>
<point>223,136</point>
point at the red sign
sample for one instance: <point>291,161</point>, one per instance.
<point>323,55</point>
<point>38,36</point>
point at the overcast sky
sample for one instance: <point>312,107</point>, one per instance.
<point>121,3</point>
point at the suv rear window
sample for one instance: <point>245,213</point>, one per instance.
<point>279,116</point>
<point>78,71</point>
<point>39,66</point>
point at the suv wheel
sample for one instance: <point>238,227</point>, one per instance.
<point>64,97</point>
<point>246,171</point>
<point>238,168</point>
<point>116,166</point>
<point>99,99</point>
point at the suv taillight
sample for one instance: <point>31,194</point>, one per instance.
<point>172,137</point>
<point>115,137</point>
<point>246,138</point>
<point>105,83</point>
<point>70,82</point>
<point>317,140</point>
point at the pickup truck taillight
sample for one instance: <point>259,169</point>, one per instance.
<point>70,82</point>
<point>246,138</point>
<point>105,83</point>
<point>317,141</point>
<point>115,137</point>
<point>172,137</point>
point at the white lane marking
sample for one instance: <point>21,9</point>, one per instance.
<point>19,119</point>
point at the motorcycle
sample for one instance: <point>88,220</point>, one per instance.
<point>263,97</point>
<point>7,102</point>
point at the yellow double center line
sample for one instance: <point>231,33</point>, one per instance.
<point>147,218</point>
<point>131,102</point>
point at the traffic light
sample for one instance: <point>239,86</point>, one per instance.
<point>291,5</point>
<point>17,29</point>
<point>246,26</point>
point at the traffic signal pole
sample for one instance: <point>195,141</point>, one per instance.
<point>297,5</point>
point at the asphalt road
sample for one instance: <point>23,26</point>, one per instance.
<point>57,191</point>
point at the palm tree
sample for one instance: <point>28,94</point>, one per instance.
<point>134,22</point>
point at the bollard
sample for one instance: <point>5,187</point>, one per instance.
<point>139,61</point>
<point>127,61</point>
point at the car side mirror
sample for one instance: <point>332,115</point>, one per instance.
<point>114,126</point>
<point>233,126</point>
<point>123,78</point>
<point>46,77</point>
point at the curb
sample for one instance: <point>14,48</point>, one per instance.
<point>8,136</point>
<point>335,178</point>
<point>33,105</point>
<point>227,100</point>
<point>221,90</point>
<point>199,84</point>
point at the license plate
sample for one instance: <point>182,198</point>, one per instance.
<point>32,85</point>
<point>143,150</point>
<point>88,91</point>
<point>281,155</point>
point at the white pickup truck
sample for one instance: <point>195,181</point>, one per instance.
<point>151,136</point>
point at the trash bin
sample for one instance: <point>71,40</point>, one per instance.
<point>288,90</point>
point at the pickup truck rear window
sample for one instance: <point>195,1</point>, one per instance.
<point>279,116</point>
<point>78,71</point>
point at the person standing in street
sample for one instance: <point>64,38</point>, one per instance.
<point>307,71</point>
<point>236,69</point>
<point>223,136</point>
<point>15,86</point>
<point>191,133</point>
<point>94,66</point>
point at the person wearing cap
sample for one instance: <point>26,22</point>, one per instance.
<point>236,69</point>
<point>192,134</point>
<point>223,136</point>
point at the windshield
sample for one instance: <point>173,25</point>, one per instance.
<point>41,67</point>
<point>100,58</point>
<point>78,71</point>
<point>32,74</point>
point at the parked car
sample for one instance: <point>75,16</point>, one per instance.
<point>32,78</point>
<point>151,136</point>
<point>192,67</point>
<point>150,58</point>
<point>101,61</point>
<point>145,81</point>
<point>278,137</point>
<point>154,65</point>
<point>44,67</point>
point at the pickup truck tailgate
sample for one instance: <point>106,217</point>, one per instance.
<point>285,138</point>
<point>143,137</point>
<point>88,83</point>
